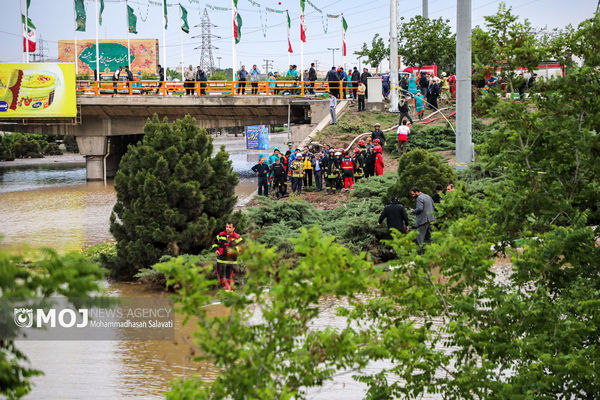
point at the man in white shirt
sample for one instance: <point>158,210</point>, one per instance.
<point>403,131</point>
<point>332,106</point>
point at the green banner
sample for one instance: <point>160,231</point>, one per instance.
<point>165,13</point>
<point>101,10</point>
<point>80,16</point>
<point>132,20</point>
<point>184,25</point>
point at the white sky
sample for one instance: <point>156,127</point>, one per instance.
<point>54,20</point>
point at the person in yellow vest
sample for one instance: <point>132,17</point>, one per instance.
<point>226,246</point>
<point>297,168</point>
<point>307,160</point>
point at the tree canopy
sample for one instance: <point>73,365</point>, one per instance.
<point>425,41</point>
<point>374,55</point>
<point>172,195</point>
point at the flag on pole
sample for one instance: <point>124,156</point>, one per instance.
<point>80,16</point>
<point>237,23</point>
<point>184,27</point>
<point>28,34</point>
<point>165,13</point>
<point>302,24</point>
<point>289,23</point>
<point>344,29</point>
<point>28,4</point>
<point>101,9</point>
<point>132,20</point>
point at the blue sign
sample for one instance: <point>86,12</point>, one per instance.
<point>257,137</point>
<point>3,106</point>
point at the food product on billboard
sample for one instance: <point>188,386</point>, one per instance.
<point>37,90</point>
<point>10,85</point>
<point>28,90</point>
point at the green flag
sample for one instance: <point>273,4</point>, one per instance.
<point>28,4</point>
<point>165,13</point>
<point>80,16</point>
<point>132,20</point>
<point>184,26</point>
<point>101,9</point>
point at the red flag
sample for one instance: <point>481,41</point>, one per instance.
<point>28,34</point>
<point>302,24</point>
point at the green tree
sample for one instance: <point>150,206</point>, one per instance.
<point>424,41</point>
<point>173,74</point>
<point>505,45</point>
<point>421,169</point>
<point>71,275</point>
<point>172,195</point>
<point>272,352</point>
<point>376,53</point>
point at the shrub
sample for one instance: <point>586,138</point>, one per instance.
<point>172,195</point>
<point>422,169</point>
<point>25,147</point>
<point>70,144</point>
<point>52,149</point>
<point>6,151</point>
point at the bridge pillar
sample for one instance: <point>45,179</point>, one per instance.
<point>94,149</point>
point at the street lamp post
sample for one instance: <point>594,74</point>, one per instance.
<point>333,49</point>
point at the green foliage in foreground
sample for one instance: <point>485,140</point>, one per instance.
<point>443,322</point>
<point>71,276</point>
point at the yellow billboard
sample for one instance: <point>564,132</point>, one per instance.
<point>37,90</point>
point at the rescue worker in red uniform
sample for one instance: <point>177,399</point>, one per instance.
<point>378,160</point>
<point>347,167</point>
<point>227,246</point>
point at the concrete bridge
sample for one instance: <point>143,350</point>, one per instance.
<point>105,125</point>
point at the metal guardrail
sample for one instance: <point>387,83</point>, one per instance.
<point>205,88</point>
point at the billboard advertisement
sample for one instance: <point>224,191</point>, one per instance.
<point>113,54</point>
<point>37,90</point>
<point>257,137</point>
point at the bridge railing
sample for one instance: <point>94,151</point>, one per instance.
<point>231,88</point>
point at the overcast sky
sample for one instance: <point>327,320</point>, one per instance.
<point>54,20</point>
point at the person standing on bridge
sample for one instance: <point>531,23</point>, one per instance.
<point>201,77</point>
<point>242,75</point>
<point>227,247</point>
<point>312,77</point>
<point>334,82</point>
<point>254,77</point>
<point>161,77</point>
<point>189,80</point>
<point>116,76</point>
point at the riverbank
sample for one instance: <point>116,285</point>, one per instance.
<point>67,158</point>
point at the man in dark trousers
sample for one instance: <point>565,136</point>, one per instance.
<point>201,77</point>
<point>355,81</point>
<point>424,212</point>
<point>404,111</point>
<point>262,170</point>
<point>334,82</point>
<point>424,84</point>
<point>226,246</point>
<point>278,172</point>
<point>363,78</point>
<point>312,77</point>
<point>161,77</point>
<point>396,216</point>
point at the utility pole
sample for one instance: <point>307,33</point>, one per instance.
<point>464,147</point>
<point>266,66</point>
<point>425,8</point>
<point>394,55</point>
<point>207,62</point>
<point>333,49</point>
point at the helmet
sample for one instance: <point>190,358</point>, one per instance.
<point>378,124</point>
<point>331,150</point>
<point>378,149</point>
<point>361,142</point>
<point>377,140</point>
<point>357,150</point>
<point>337,153</point>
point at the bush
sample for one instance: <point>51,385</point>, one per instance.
<point>70,144</point>
<point>422,169</point>
<point>374,187</point>
<point>25,147</point>
<point>6,151</point>
<point>172,195</point>
<point>52,149</point>
<point>218,76</point>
